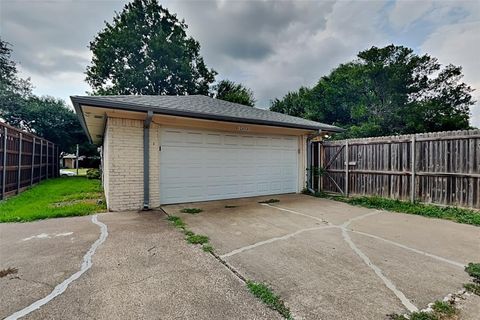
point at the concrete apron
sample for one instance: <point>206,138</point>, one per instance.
<point>330,260</point>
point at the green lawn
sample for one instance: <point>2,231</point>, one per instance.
<point>53,198</point>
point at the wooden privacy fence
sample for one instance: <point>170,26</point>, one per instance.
<point>441,168</point>
<point>25,159</point>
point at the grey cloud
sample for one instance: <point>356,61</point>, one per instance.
<point>52,37</point>
<point>271,46</point>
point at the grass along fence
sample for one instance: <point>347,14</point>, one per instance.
<point>441,168</point>
<point>25,159</point>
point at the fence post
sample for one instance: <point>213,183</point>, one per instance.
<point>19,170</point>
<point>5,133</point>
<point>346,168</point>
<point>48,164</point>
<point>412,182</point>
<point>57,172</point>
<point>41,161</point>
<point>320,166</point>
<point>33,161</point>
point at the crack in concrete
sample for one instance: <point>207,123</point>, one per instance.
<point>261,243</point>
<point>60,288</point>
<point>388,283</point>
<point>344,229</point>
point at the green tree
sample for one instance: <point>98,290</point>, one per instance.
<point>295,103</point>
<point>46,117</point>
<point>386,91</point>
<point>146,51</point>
<point>234,92</point>
<point>13,89</point>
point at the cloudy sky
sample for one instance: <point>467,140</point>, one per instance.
<point>271,46</point>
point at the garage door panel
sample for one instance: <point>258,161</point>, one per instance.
<point>201,165</point>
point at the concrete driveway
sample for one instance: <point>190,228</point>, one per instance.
<point>142,268</point>
<point>330,260</point>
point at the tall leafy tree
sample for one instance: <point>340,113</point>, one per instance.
<point>146,51</point>
<point>46,117</point>
<point>234,92</point>
<point>386,91</point>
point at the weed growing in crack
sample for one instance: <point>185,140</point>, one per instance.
<point>267,296</point>
<point>473,270</point>
<point>197,239</point>
<point>473,288</point>
<point>269,201</point>
<point>444,309</point>
<point>191,210</point>
<point>207,248</point>
<point>441,310</point>
<point>191,237</point>
<point>176,221</point>
<point>188,233</point>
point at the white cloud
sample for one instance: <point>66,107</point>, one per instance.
<point>459,44</point>
<point>405,13</point>
<point>271,46</point>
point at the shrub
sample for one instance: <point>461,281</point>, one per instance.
<point>93,174</point>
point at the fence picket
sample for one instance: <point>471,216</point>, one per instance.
<point>441,168</point>
<point>18,166</point>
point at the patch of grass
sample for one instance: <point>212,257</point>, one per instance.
<point>267,296</point>
<point>54,198</point>
<point>6,272</point>
<point>230,207</point>
<point>423,316</point>
<point>473,270</point>
<point>269,201</point>
<point>444,309</point>
<point>197,239</point>
<point>473,288</point>
<point>189,233</point>
<point>207,248</point>
<point>191,210</point>
<point>459,215</point>
<point>176,221</point>
<point>441,310</point>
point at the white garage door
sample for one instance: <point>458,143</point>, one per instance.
<point>202,165</point>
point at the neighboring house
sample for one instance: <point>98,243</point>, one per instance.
<point>197,148</point>
<point>68,161</point>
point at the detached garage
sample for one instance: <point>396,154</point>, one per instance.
<point>173,149</point>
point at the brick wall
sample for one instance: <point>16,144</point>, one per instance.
<point>123,164</point>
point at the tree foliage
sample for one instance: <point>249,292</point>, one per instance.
<point>46,117</point>
<point>146,51</point>
<point>386,91</point>
<point>234,92</point>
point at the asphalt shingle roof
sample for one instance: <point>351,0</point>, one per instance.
<point>200,106</point>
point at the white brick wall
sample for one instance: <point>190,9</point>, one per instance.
<point>123,164</point>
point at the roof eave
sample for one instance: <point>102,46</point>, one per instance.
<point>78,101</point>
<point>81,117</point>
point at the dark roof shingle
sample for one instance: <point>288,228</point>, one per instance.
<point>201,107</point>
